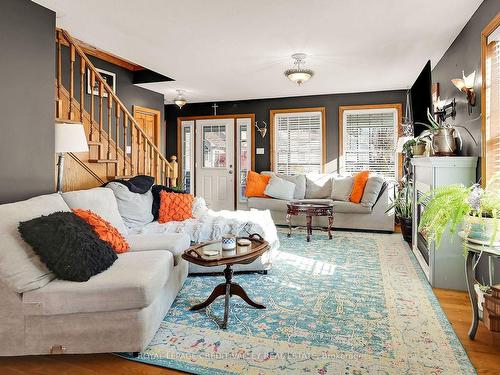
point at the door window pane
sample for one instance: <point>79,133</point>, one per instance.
<point>214,146</point>
<point>186,158</point>
<point>244,160</point>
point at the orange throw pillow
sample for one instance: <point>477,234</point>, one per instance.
<point>175,207</point>
<point>104,230</point>
<point>358,186</point>
<point>256,184</point>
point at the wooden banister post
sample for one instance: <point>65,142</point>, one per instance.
<point>175,171</point>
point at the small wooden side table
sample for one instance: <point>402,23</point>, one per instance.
<point>309,209</point>
<point>195,254</point>
<point>473,251</point>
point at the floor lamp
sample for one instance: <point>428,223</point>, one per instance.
<point>69,138</point>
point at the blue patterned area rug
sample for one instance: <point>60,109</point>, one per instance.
<point>356,304</point>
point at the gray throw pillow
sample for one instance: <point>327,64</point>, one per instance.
<point>372,191</point>
<point>318,186</point>
<point>299,180</point>
<point>135,208</point>
<point>342,187</point>
<point>279,188</point>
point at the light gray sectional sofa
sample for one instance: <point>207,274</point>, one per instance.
<point>119,309</point>
<point>370,214</point>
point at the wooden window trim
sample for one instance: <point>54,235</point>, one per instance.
<point>273,112</point>
<point>399,109</point>
<point>492,26</point>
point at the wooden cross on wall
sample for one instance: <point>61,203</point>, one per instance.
<point>215,106</point>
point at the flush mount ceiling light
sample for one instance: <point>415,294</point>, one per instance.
<point>298,74</point>
<point>180,101</point>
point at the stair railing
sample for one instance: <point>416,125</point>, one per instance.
<point>145,157</point>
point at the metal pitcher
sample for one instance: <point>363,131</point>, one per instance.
<point>446,141</point>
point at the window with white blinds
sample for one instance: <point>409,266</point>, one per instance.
<point>298,142</point>
<point>369,138</point>
<point>491,77</point>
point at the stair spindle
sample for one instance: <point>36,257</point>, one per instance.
<point>92,84</point>
<point>145,155</point>
<point>101,107</point>
<point>132,143</point>
<point>138,143</point>
<point>82,92</point>
<point>151,162</point>
<point>72,58</point>
<point>110,109</point>
<point>125,128</point>
<point>117,136</point>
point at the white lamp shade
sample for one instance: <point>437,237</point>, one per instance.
<point>71,138</point>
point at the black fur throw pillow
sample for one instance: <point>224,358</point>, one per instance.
<point>156,189</point>
<point>67,245</point>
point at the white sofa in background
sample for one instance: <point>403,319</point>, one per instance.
<point>118,310</point>
<point>347,215</point>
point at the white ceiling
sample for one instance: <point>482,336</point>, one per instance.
<point>238,49</point>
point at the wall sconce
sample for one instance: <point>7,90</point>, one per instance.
<point>263,130</point>
<point>466,85</point>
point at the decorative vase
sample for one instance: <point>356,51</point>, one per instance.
<point>406,228</point>
<point>444,141</point>
<point>483,228</point>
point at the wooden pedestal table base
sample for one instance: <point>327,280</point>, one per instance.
<point>309,209</point>
<point>241,255</point>
<point>227,289</point>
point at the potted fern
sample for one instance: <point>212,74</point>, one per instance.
<point>473,208</point>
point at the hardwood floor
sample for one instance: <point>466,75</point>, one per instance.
<point>484,351</point>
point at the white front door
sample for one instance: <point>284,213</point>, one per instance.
<point>215,162</point>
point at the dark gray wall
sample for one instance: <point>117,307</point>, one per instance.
<point>127,92</point>
<point>26,100</point>
<point>465,54</point>
<point>261,108</point>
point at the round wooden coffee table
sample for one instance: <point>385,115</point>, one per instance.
<point>240,255</point>
<point>309,209</point>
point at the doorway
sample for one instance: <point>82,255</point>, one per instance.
<point>149,121</point>
<point>216,153</point>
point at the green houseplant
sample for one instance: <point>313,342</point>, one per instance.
<point>402,206</point>
<point>474,207</point>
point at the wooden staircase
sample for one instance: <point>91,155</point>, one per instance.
<point>118,146</point>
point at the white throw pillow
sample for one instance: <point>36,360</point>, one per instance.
<point>280,189</point>
<point>299,180</point>
<point>342,187</point>
<point>318,186</point>
<point>20,268</point>
<point>101,201</point>
<point>134,208</point>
